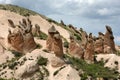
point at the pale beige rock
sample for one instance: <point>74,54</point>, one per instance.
<point>111,61</point>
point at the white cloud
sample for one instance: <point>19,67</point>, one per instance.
<point>103,11</point>
<point>5,1</point>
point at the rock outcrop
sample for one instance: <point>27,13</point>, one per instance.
<point>50,39</point>
<point>54,42</point>
<point>36,31</point>
<point>89,52</point>
<point>109,45</point>
<point>99,44</point>
<point>21,39</point>
<point>74,49</point>
<point>84,38</point>
<point>57,45</point>
<point>111,61</point>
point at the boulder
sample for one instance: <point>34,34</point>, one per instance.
<point>27,69</point>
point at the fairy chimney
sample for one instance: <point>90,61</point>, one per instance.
<point>89,52</point>
<point>57,45</point>
<point>109,41</point>
<point>54,42</point>
<point>84,38</point>
<point>21,39</point>
<point>74,49</point>
<point>98,45</point>
<point>50,39</point>
<point>36,31</point>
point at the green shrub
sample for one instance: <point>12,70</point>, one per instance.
<point>77,36</point>
<point>2,79</point>
<point>66,44</point>
<point>39,46</point>
<point>17,54</point>
<point>96,70</point>
<point>43,36</point>
<point>42,61</point>
<point>12,65</point>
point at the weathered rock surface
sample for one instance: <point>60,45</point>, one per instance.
<point>89,52</point>
<point>21,39</point>
<point>57,45</point>
<point>84,38</point>
<point>111,61</point>
<point>109,40</point>
<point>54,42</point>
<point>67,73</point>
<point>74,49</point>
<point>99,46</point>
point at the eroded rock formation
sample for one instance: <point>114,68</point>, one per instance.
<point>109,45</point>
<point>84,37</point>
<point>74,49</point>
<point>89,52</point>
<point>54,42</point>
<point>21,39</point>
<point>36,31</point>
<point>99,44</point>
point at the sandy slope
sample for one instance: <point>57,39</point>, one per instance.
<point>44,25</point>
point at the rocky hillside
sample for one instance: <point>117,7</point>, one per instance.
<point>34,47</point>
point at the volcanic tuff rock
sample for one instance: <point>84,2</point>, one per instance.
<point>84,38</point>
<point>109,40</point>
<point>89,51</point>
<point>54,42</point>
<point>21,39</point>
<point>74,49</point>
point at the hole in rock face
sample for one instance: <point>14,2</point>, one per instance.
<point>116,62</point>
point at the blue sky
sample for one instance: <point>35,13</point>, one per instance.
<point>91,15</point>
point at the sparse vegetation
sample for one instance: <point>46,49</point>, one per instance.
<point>17,54</point>
<point>17,9</point>
<point>39,46</point>
<point>42,61</point>
<point>77,36</point>
<point>52,21</point>
<point>66,44</point>
<point>96,70</point>
<point>12,65</point>
<point>43,36</point>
